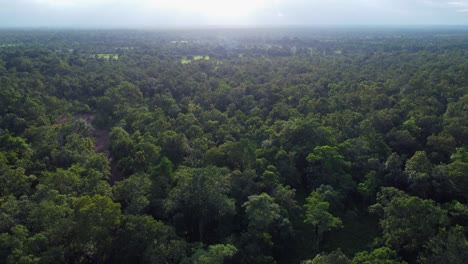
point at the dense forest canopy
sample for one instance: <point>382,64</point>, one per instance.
<point>289,145</point>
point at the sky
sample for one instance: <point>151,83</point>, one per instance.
<point>161,13</point>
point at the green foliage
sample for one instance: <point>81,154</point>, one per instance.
<point>239,155</point>
<point>328,166</point>
<point>112,151</point>
<point>328,156</point>
<point>455,119</point>
<point>335,257</point>
<point>200,197</point>
<point>318,216</point>
<point>419,169</point>
<point>95,220</point>
<point>215,254</point>
<point>457,171</point>
<point>408,221</point>
<point>18,246</point>
<point>261,211</point>
<point>369,187</point>
<point>76,180</point>
<point>133,193</point>
<point>12,211</point>
<point>142,239</point>
<point>52,214</point>
<point>381,255</point>
<point>14,181</point>
<point>317,213</point>
<point>449,246</point>
<point>162,179</point>
<point>174,146</point>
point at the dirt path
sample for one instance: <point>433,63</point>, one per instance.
<point>101,143</point>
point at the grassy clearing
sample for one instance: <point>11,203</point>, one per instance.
<point>195,58</point>
<point>199,57</point>
<point>107,56</point>
<point>185,61</point>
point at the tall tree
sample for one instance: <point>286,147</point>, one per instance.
<point>408,221</point>
<point>200,198</point>
<point>318,216</point>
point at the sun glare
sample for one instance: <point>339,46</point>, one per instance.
<point>213,8</point>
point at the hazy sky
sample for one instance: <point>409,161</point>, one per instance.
<point>154,13</point>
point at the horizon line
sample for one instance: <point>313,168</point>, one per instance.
<point>229,26</point>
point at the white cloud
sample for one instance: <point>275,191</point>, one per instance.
<point>461,6</point>
<point>70,4</point>
<point>199,12</point>
<point>458,6</point>
<point>458,3</point>
<point>56,3</point>
<point>212,8</point>
<point>437,4</point>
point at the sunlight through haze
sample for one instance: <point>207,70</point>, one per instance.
<point>213,8</point>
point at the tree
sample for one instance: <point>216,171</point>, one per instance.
<point>318,216</point>
<point>408,221</point>
<point>76,180</point>
<point>95,220</point>
<point>64,181</point>
<point>394,175</point>
<point>215,254</point>
<point>370,186</point>
<point>449,246</point>
<point>18,246</point>
<point>146,154</point>
<point>327,166</point>
<point>401,141</point>
<point>121,147</point>
<point>12,211</point>
<point>14,181</point>
<point>383,255</point>
<point>333,197</point>
<point>52,216</point>
<point>335,257</point>
<point>455,120</point>
<point>457,170</point>
<point>263,215</point>
<point>443,188</point>
<point>419,169</point>
<point>286,168</point>
<point>200,198</point>
<point>117,101</point>
<point>418,166</point>
<point>243,185</point>
<point>133,193</point>
<point>441,146</point>
<point>261,211</point>
<point>162,179</point>
<point>301,136</point>
<point>121,143</point>
<point>174,146</point>
<point>239,155</point>
<point>142,239</point>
